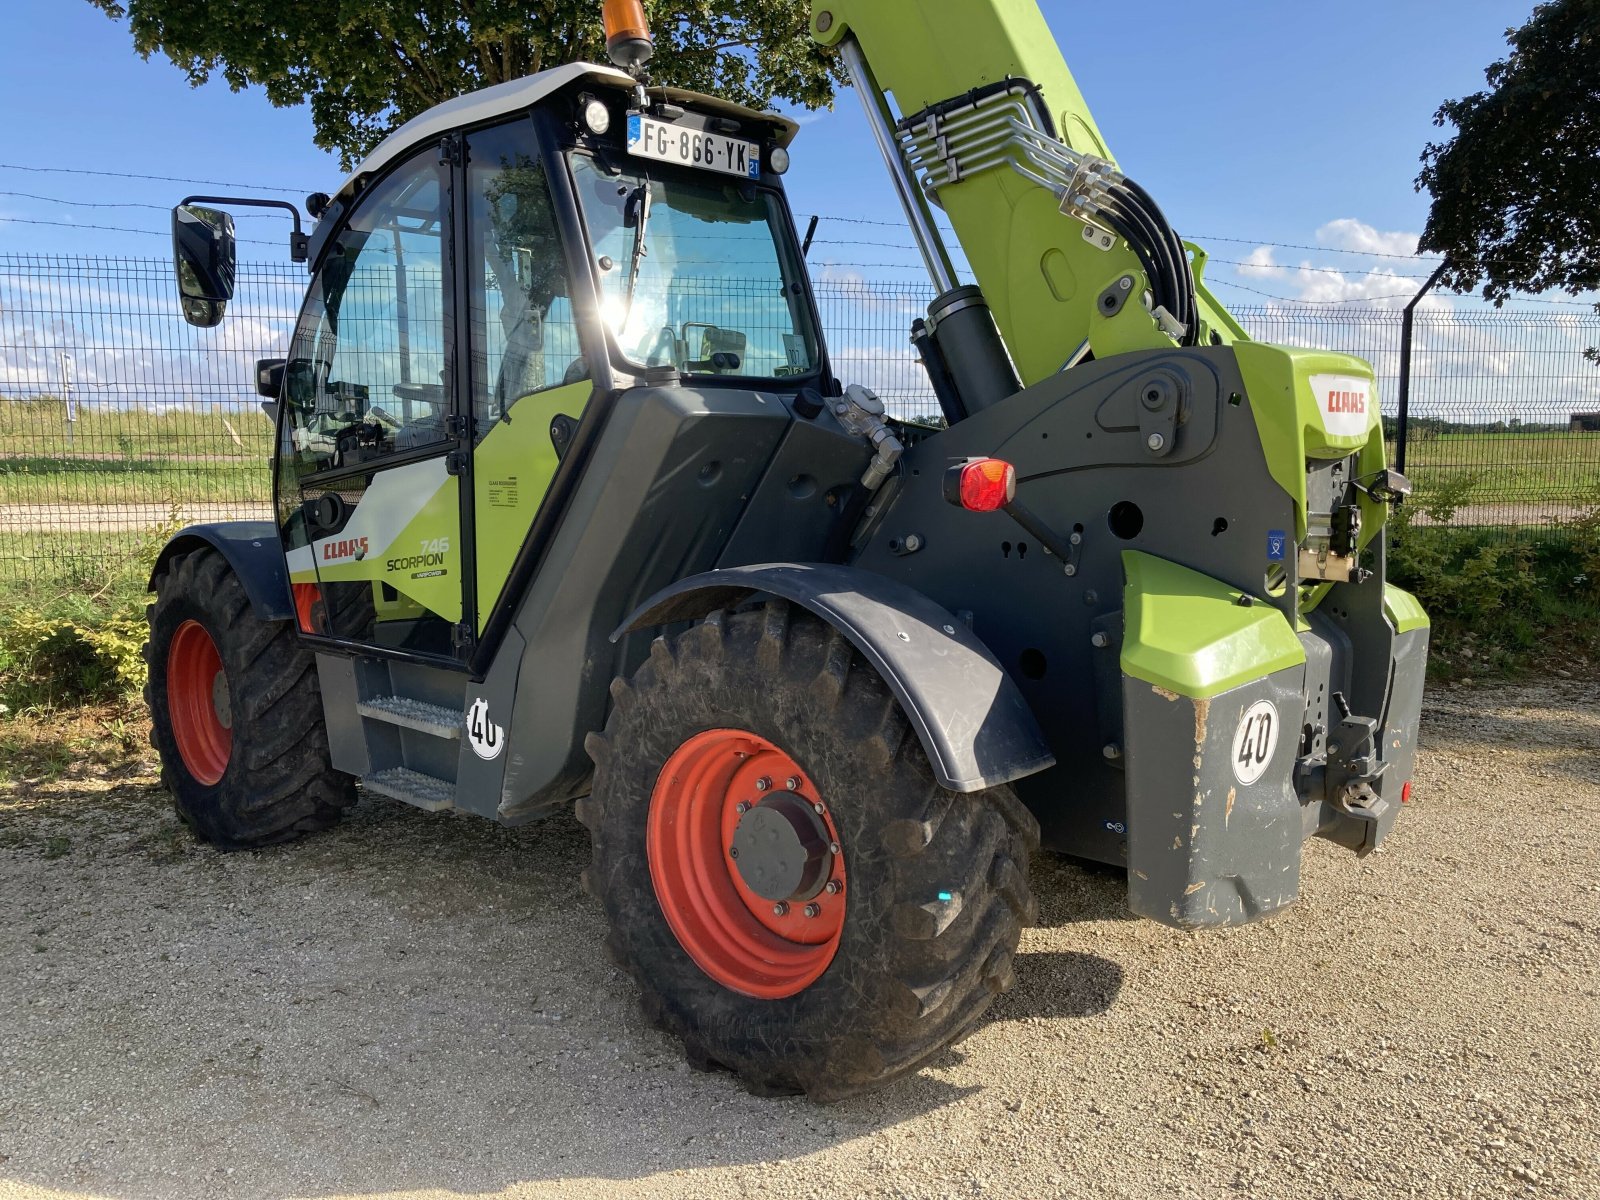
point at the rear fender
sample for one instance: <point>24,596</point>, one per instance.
<point>971,719</point>
<point>252,550</point>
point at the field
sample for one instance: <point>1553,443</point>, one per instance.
<point>114,455</point>
<point>1522,469</point>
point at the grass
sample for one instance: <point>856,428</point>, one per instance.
<point>1511,468</point>
<point>116,455</point>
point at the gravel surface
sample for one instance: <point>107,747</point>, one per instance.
<point>419,1004</point>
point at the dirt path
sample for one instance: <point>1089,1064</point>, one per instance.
<point>419,1005</point>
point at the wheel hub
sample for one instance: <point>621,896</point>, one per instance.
<point>780,848</point>
<point>746,863</point>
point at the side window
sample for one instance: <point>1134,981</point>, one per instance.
<point>524,337</point>
<point>366,373</point>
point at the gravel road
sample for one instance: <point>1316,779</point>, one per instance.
<point>418,1005</point>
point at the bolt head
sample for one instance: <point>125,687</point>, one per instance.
<point>833,847</point>
<point>813,910</point>
<point>742,807</point>
<point>1071,568</point>
<point>1076,539</point>
<point>781,909</point>
<point>1155,441</point>
<point>763,784</point>
<point>950,629</point>
<point>913,542</point>
<point>1125,283</point>
<point>819,809</point>
<point>1100,641</point>
<point>1112,751</point>
<point>834,887</point>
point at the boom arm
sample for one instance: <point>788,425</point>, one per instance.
<point>996,133</point>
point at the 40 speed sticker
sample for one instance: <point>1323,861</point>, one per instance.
<point>485,737</point>
<point>1254,741</point>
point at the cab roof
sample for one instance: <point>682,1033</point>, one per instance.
<point>503,99</point>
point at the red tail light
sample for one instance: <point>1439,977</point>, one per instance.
<point>985,484</point>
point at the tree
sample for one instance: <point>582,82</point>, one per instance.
<point>1516,191</point>
<point>367,66</point>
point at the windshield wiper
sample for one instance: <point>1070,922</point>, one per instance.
<point>638,212</point>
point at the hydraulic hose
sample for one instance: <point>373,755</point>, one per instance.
<point>1168,284</point>
<point>1186,277</point>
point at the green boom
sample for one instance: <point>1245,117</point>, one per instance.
<point>1037,271</point>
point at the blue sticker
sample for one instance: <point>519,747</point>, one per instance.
<point>1277,545</point>
<point>946,897</point>
<point>635,127</point>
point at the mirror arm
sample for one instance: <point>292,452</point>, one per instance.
<point>298,242</point>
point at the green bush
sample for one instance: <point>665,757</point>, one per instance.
<point>56,661</point>
<point>1499,600</point>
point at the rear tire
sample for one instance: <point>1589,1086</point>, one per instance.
<point>934,882</point>
<point>236,713</point>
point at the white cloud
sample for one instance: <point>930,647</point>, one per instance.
<point>1347,233</point>
<point>1260,264</point>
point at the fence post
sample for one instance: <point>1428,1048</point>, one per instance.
<point>1407,324</point>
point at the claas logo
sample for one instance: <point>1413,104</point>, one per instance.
<point>343,548</point>
<point>1347,402</point>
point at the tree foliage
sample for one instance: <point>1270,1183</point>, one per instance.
<point>1516,191</point>
<point>366,66</point>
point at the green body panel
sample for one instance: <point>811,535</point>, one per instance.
<point>1188,633</point>
<point>1038,273</point>
<point>1404,610</point>
<point>438,524</point>
<point>512,469</point>
<point>1292,425</point>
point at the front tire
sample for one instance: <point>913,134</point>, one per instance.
<point>829,991</point>
<point>236,713</point>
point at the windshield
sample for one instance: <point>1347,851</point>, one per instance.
<point>711,287</point>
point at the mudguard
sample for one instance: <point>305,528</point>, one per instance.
<point>971,719</point>
<point>255,554</point>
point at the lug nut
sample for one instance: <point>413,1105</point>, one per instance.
<point>763,784</point>
<point>819,809</point>
<point>742,807</point>
<point>834,887</point>
<point>794,783</point>
<point>813,910</point>
<point>781,909</point>
<point>833,847</point>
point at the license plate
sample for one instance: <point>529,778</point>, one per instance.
<point>649,138</point>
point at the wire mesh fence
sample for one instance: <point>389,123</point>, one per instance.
<point>119,422</point>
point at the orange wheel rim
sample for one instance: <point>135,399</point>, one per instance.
<point>198,702</point>
<point>767,946</point>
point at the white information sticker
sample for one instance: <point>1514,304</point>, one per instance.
<point>485,737</point>
<point>1254,742</point>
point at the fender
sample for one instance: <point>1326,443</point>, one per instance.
<point>255,554</point>
<point>970,717</point>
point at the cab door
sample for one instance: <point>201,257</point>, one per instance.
<point>371,431</point>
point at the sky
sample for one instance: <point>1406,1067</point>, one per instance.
<point>1287,123</point>
<point>1283,136</point>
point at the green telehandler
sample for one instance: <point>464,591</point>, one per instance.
<point>571,507</point>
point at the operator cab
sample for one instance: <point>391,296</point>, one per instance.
<point>483,288</point>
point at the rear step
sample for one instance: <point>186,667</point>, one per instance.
<point>428,718</point>
<point>413,787</point>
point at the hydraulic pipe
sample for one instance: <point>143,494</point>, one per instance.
<point>920,217</point>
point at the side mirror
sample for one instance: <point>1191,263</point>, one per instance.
<point>203,255</point>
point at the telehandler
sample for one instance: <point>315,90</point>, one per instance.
<point>570,506</point>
